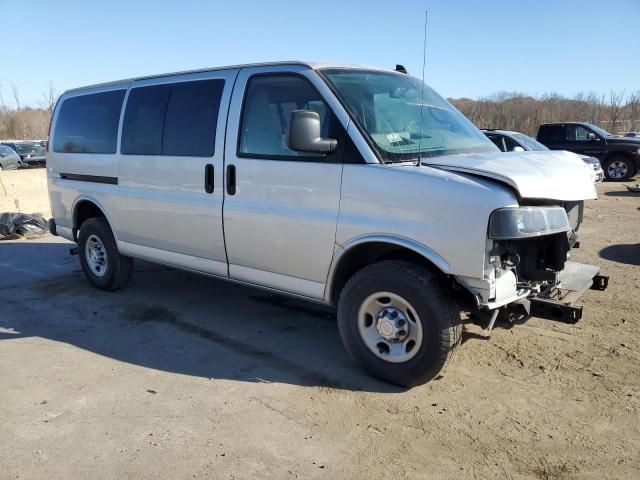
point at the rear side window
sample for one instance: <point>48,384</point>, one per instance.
<point>552,133</point>
<point>89,123</point>
<point>144,120</point>
<point>174,119</point>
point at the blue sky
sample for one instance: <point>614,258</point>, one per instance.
<point>475,48</point>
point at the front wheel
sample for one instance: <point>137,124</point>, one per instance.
<point>398,322</point>
<point>619,169</point>
<point>100,259</point>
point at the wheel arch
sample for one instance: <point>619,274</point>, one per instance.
<point>362,251</point>
<point>84,208</point>
<point>621,153</point>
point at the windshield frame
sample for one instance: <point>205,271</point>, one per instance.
<point>384,156</point>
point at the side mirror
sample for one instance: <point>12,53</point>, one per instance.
<point>591,136</point>
<point>304,134</point>
<point>518,149</point>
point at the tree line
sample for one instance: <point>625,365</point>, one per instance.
<point>615,112</point>
<point>25,122</point>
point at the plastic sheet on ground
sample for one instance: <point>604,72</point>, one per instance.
<point>22,225</point>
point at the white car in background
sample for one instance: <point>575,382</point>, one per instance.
<point>509,141</point>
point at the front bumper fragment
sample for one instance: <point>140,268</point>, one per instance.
<point>558,303</point>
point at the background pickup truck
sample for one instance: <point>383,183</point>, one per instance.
<point>619,157</point>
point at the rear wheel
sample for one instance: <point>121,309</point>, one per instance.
<point>398,322</point>
<point>619,169</point>
<point>101,262</point>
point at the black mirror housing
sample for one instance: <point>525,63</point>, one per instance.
<point>304,134</point>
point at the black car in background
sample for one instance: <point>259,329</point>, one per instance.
<point>508,141</point>
<point>619,156</point>
<point>31,153</point>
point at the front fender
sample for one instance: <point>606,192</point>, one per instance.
<point>343,250</point>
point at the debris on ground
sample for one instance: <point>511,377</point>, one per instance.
<point>15,226</point>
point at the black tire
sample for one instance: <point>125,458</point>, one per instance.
<point>436,308</point>
<point>624,163</point>
<point>118,268</point>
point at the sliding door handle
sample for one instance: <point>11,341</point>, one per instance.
<point>208,178</point>
<point>231,179</point>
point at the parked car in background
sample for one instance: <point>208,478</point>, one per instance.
<point>508,141</point>
<point>619,157</point>
<point>31,153</point>
<point>9,160</point>
<point>632,134</point>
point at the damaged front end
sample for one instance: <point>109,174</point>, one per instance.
<point>528,251</point>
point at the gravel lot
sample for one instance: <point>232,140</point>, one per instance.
<point>183,376</point>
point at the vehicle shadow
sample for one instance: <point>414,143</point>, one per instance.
<point>622,193</point>
<point>629,254</point>
<point>175,321</point>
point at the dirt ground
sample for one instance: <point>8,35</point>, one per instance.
<point>182,376</point>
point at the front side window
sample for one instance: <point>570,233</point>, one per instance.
<point>89,123</point>
<point>402,118</point>
<point>577,133</point>
<point>266,115</point>
<point>498,141</point>
<point>176,119</point>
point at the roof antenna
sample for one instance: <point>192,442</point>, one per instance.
<point>424,63</point>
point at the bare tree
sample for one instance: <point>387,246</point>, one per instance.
<point>523,113</point>
<point>49,98</point>
<point>633,107</point>
<point>615,108</point>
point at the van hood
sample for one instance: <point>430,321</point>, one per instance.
<point>553,175</point>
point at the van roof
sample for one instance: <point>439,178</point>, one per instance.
<point>313,65</point>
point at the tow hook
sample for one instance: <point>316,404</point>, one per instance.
<point>74,250</point>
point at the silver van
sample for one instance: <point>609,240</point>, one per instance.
<point>356,187</point>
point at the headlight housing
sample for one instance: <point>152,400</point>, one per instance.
<point>527,222</point>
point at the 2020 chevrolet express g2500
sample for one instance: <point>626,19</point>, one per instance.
<point>335,184</point>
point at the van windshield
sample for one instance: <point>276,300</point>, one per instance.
<point>387,108</point>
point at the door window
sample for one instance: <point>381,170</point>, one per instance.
<point>266,116</point>
<point>498,140</point>
<point>577,133</point>
<point>552,134</point>
<point>172,119</point>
